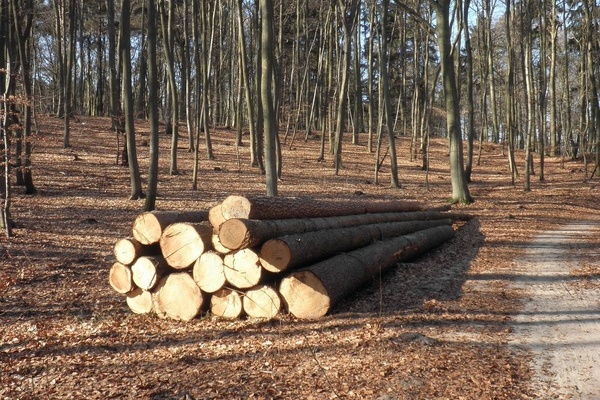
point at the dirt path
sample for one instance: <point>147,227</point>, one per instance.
<point>560,320</point>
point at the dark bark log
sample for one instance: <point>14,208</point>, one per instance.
<point>311,292</point>
<point>182,243</point>
<point>291,251</point>
<point>121,278</point>
<point>178,297</point>
<point>242,233</point>
<point>209,272</point>
<point>297,207</point>
<point>262,302</point>
<point>226,303</point>
<point>148,226</point>
<point>128,250</point>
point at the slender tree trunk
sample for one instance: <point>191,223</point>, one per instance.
<point>385,82</point>
<point>127,93</point>
<point>268,104</point>
<point>152,107</point>
<point>166,19</point>
<point>460,189</point>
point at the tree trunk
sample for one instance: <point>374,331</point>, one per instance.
<point>266,95</point>
<point>128,250</point>
<point>152,108</point>
<point>291,251</point>
<point>226,303</point>
<point>460,189</point>
<point>148,226</point>
<point>147,270</point>
<point>311,292</point>
<point>242,268</point>
<point>178,297</point>
<point>297,207</point>
<point>262,302</point>
<point>120,278</point>
<point>209,272</point>
<point>127,97</point>
<point>239,233</point>
<point>182,243</point>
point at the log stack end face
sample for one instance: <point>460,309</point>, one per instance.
<point>304,295</point>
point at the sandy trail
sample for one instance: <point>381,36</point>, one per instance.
<point>560,320</point>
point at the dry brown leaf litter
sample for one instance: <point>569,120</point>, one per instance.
<point>435,328</point>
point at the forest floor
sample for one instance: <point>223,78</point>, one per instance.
<point>457,323</point>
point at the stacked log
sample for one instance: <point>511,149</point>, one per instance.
<point>260,256</point>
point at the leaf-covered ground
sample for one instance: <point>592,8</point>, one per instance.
<point>434,328</point>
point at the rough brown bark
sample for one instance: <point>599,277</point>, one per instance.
<point>147,270</point>
<point>209,272</point>
<point>121,278</point>
<point>262,302</point>
<point>178,297</point>
<point>226,303</point>
<point>311,292</point>
<point>139,301</point>
<point>242,233</point>
<point>297,207</point>
<point>242,268</point>
<point>290,251</point>
<point>128,250</point>
<point>182,243</point>
<point>148,226</point>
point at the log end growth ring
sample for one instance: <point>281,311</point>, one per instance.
<point>275,256</point>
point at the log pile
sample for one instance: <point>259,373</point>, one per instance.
<point>261,256</point>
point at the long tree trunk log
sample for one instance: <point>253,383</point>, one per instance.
<point>226,303</point>
<point>209,272</point>
<point>268,207</point>
<point>182,243</point>
<point>242,233</point>
<point>148,227</point>
<point>311,292</point>
<point>147,270</point>
<point>177,296</point>
<point>287,252</point>
<point>242,268</point>
<point>120,278</point>
<point>128,250</point>
<point>139,301</point>
<point>262,302</point>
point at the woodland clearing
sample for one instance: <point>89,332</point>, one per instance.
<point>439,327</point>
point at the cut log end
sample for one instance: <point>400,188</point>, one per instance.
<point>304,295</point>
<point>262,302</point>
<point>226,303</point>
<point>147,228</point>
<point>242,269</point>
<point>120,278</point>
<point>209,272</point>
<point>139,301</point>
<point>233,234</point>
<point>275,256</point>
<point>182,243</point>
<point>177,296</point>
